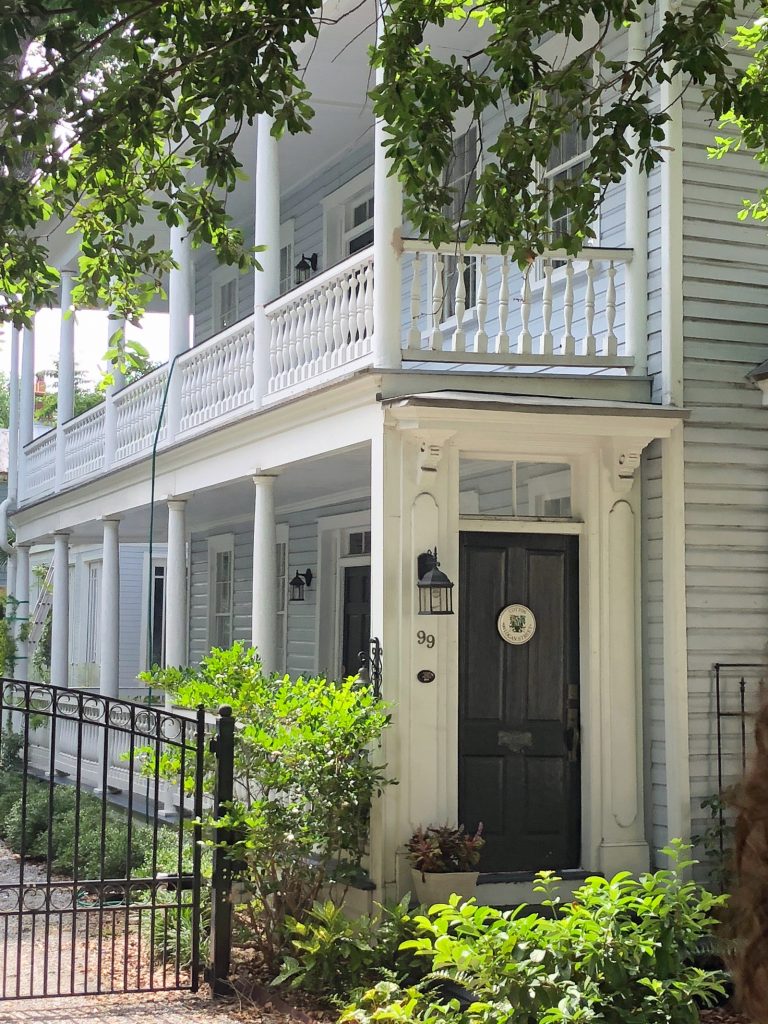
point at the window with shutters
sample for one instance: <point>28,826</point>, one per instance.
<point>93,614</point>
<point>221,575</point>
<point>281,582</point>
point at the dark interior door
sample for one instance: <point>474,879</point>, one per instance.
<point>519,771</point>
<point>357,616</point>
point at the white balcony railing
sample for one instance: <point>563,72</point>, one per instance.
<point>137,413</point>
<point>41,460</point>
<point>217,377</point>
<point>461,306</point>
<point>475,305</point>
<point>325,324</point>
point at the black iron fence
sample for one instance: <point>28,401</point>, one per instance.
<point>102,887</point>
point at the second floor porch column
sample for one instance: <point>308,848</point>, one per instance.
<point>65,399</point>
<point>26,399</point>
<point>13,422</point>
<point>387,233</point>
<point>110,411</point>
<point>180,310</point>
<point>176,586</point>
<point>264,606</point>
<point>60,610</point>
<point>266,285</point>
<point>109,676</point>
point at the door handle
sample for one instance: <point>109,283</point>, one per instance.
<point>573,740</point>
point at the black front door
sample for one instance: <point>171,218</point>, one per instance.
<point>519,770</point>
<point>357,617</point>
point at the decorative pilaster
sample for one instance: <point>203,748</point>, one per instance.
<point>180,310</point>
<point>266,284</point>
<point>60,611</point>
<point>264,606</point>
<point>22,611</point>
<point>387,232</point>
<point>623,843</point>
<point>109,678</point>
<point>65,399</point>
<point>176,586</point>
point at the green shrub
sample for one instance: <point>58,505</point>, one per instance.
<point>620,952</point>
<point>334,954</point>
<point>305,778</point>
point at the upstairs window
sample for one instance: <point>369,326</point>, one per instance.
<point>358,224</point>
<point>281,562</point>
<point>287,269</point>
<point>567,162</point>
<point>461,178</point>
<point>225,297</point>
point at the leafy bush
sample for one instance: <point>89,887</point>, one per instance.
<point>619,952</point>
<point>334,954</point>
<point>442,849</point>
<point>304,779</point>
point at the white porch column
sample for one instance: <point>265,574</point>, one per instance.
<point>109,676</point>
<point>110,412</point>
<point>13,421</point>
<point>267,232</point>
<point>180,310</point>
<point>60,611</point>
<point>22,610</point>
<point>264,606</point>
<point>387,232</point>
<point>176,586</point>
<point>65,401</point>
<point>26,399</point>
<point>623,845</point>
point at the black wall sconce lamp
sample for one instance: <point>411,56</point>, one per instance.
<point>434,588</point>
<point>306,267</point>
<point>297,584</point>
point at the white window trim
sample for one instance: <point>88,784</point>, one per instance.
<point>282,536</point>
<point>219,544</point>
<point>334,208</point>
<point>220,277</point>
<point>288,237</point>
<point>330,591</point>
<point>157,559</point>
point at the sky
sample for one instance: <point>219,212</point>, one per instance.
<point>90,340</point>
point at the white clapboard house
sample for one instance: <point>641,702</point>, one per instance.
<point>583,446</point>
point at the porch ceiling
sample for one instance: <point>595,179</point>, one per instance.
<point>314,483</point>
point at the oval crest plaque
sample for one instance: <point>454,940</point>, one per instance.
<point>516,624</point>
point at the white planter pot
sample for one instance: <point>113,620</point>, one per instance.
<point>436,888</point>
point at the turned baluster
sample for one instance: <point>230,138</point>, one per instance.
<point>502,338</point>
<point>459,335</point>
<point>590,343</point>
<point>438,294</point>
<point>414,334</point>
<point>330,319</point>
<point>611,341</point>
<point>569,343</point>
<point>524,339</point>
<point>339,335</point>
<point>314,328</point>
<point>305,352</point>
<point>481,337</point>
<point>345,321</point>
<point>295,315</point>
<point>281,342</point>
<point>368,305</point>
<point>546,311</point>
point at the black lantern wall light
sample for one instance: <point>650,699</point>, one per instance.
<point>298,583</point>
<point>434,588</point>
<point>306,267</point>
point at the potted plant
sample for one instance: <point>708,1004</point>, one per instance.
<point>444,861</point>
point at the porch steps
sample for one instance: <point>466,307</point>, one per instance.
<point>507,889</point>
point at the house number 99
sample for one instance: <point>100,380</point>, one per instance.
<point>423,639</point>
